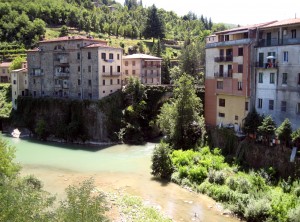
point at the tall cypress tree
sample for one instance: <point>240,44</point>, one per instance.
<point>154,25</point>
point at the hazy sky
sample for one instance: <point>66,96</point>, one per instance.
<point>232,11</point>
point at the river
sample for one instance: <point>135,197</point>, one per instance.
<point>114,168</point>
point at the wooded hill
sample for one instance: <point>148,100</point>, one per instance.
<point>24,22</point>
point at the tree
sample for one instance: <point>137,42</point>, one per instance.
<point>296,137</point>
<point>63,31</point>
<point>252,121</point>
<point>154,25</point>
<point>284,132</point>
<point>181,119</point>
<point>161,161</point>
<point>267,128</point>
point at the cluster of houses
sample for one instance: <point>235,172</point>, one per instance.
<point>254,66</point>
<point>79,67</point>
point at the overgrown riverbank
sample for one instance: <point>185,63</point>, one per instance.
<point>252,195</point>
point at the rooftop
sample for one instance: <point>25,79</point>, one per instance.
<point>73,38</point>
<point>5,64</point>
<point>283,23</point>
<point>97,45</point>
<point>141,56</point>
<point>245,28</point>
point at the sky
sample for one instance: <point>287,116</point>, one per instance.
<point>237,12</point>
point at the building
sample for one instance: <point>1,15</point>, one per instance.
<point>4,72</point>
<point>75,67</point>
<point>147,68</point>
<point>19,83</point>
<point>277,67</point>
<point>229,89</point>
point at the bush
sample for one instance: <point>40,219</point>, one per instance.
<point>257,210</point>
<point>161,161</point>
<point>217,177</point>
<point>244,186</point>
<point>197,174</point>
<point>232,183</point>
<point>294,215</point>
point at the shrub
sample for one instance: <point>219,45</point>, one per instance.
<point>257,210</point>
<point>161,161</point>
<point>232,183</point>
<point>294,214</point>
<point>175,178</point>
<point>244,186</point>
<point>197,174</point>
<point>217,177</point>
<point>297,191</point>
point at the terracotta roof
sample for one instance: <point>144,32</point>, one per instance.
<point>5,64</point>
<point>245,28</point>
<point>284,23</point>
<point>72,38</point>
<point>141,56</point>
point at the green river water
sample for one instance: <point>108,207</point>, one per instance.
<point>114,168</point>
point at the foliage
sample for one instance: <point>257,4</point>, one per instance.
<point>5,100</point>
<point>284,131</point>
<point>83,204</point>
<point>8,167</point>
<point>296,136</point>
<point>17,63</point>
<point>154,27</point>
<point>64,31</point>
<point>41,129</point>
<point>267,128</point>
<point>294,215</point>
<point>181,119</point>
<point>161,161</point>
<point>252,121</point>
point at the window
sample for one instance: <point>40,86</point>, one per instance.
<point>293,33</point>
<point>298,109</point>
<point>240,68</point>
<point>90,95</point>
<point>298,78</point>
<point>103,82</point>
<point>25,81</point>
<point>118,68</point>
<point>283,106</point>
<point>246,106</point>
<point>15,82</point>
<point>103,69</point>
<point>3,71</point>
<point>33,81</point>
<point>78,68</point>
<point>78,45</point>
<point>226,37</point>
<point>90,82</point>
<point>103,91</point>
<point>126,63</point>
<point>271,104</point>
<point>111,56</point>
<point>126,72</point>
<point>103,55</point>
<point>111,82</point>
<point>89,68</point>
<point>78,55</point>
<point>260,77</point>
<point>79,94</point>
<point>241,52</point>
<point>284,78</point>
<point>222,102</point>
<point>236,118</point>
<point>133,63</point>
<point>118,81</point>
<point>285,56</point>
<point>34,93</point>
<point>133,72</point>
<point>219,84</point>
<point>222,115</point>
<point>260,103</point>
<point>118,56</point>
<point>79,82</point>
<point>240,85</point>
<point>272,78</point>
<point>89,55</point>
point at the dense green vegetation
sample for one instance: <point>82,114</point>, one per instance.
<point>5,102</point>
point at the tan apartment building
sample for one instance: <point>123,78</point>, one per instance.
<point>229,77</point>
<point>19,83</point>
<point>4,72</point>
<point>147,68</point>
<point>76,67</point>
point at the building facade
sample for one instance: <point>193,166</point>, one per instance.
<point>278,71</point>
<point>145,67</point>
<point>4,72</point>
<point>74,67</point>
<point>19,83</point>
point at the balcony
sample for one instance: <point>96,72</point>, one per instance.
<point>37,74</point>
<point>277,42</point>
<point>228,58</point>
<point>266,65</point>
<point>223,74</point>
<point>151,66</point>
<point>111,74</point>
<point>62,74</point>
<point>228,43</point>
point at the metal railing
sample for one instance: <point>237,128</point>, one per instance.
<point>224,59</point>
<point>277,42</point>
<point>223,74</point>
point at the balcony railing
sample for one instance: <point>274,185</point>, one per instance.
<point>224,59</point>
<point>62,74</point>
<point>228,43</point>
<point>111,74</point>
<point>151,66</point>
<point>36,74</point>
<point>276,42</point>
<point>224,74</point>
<point>266,65</point>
